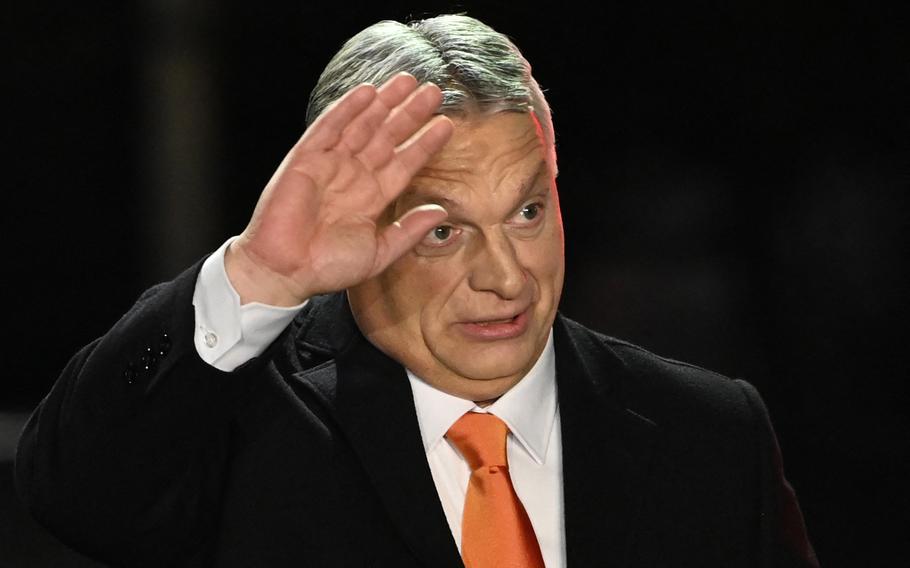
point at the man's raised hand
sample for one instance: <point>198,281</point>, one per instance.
<point>316,226</point>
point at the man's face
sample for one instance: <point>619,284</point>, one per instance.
<point>470,308</point>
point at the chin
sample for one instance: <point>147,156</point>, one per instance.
<point>497,361</point>
<point>492,366</point>
<point>482,390</point>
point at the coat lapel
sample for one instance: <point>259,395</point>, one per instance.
<point>606,450</point>
<point>368,395</point>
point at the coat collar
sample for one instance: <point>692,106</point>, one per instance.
<point>606,448</point>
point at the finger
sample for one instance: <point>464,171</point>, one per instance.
<point>404,234</point>
<point>413,113</point>
<point>363,128</point>
<point>326,130</point>
<point>402,122</point>
<point>413,155</point>
<point>397,89</point>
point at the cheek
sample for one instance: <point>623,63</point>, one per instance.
<point>545,256</point>
<point>422,288</point>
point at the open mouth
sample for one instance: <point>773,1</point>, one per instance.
<point>493,329</point>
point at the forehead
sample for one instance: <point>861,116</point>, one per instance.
<point>500,144</point>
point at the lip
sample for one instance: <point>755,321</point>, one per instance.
<point>496,329</point>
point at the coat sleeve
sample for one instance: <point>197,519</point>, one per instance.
<point>783,540</point>
<point>126,457</point>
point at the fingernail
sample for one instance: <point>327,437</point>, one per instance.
<point>421,209</point>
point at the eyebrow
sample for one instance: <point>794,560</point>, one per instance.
<point>528,185</point>
<point>413,197</point>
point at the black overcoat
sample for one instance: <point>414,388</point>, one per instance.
<point>311,455</point>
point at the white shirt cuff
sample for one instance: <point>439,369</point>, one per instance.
<point>227,334</point>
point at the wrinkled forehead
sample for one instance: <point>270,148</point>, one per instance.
<point>502,152</point>
<point>489,141</point>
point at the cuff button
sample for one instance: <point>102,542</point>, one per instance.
<point>129,374</point>
<point>148,360</point>
<point>164,345</point>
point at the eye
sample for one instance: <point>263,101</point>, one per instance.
<point>529,214</point>
<point>440,236</point>
<point>530,211</point>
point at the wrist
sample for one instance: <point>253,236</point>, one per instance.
<point>254,282</point>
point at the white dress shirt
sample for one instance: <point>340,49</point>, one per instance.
<point>228,334</point>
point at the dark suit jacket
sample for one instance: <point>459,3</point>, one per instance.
<point>310,455</point>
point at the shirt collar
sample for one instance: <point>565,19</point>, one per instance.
<point>528,408</point>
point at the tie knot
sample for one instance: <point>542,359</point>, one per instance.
<point>481,439</point>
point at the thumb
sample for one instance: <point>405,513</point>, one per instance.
<point>404,234</point>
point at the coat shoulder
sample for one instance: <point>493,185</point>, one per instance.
<point>666,390</point>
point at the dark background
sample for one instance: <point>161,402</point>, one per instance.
<point>733,182</point>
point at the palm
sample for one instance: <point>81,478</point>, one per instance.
<point>315,228</point>
<point>339,238</point>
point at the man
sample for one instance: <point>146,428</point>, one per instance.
<point>312,393</point>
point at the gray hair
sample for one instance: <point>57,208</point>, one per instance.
<point>478,69</point>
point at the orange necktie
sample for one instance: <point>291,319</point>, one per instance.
<point>495,529</point>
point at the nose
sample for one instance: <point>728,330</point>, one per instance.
<point>496,268</point>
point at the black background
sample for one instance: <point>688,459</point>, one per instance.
<point>732,177</point>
